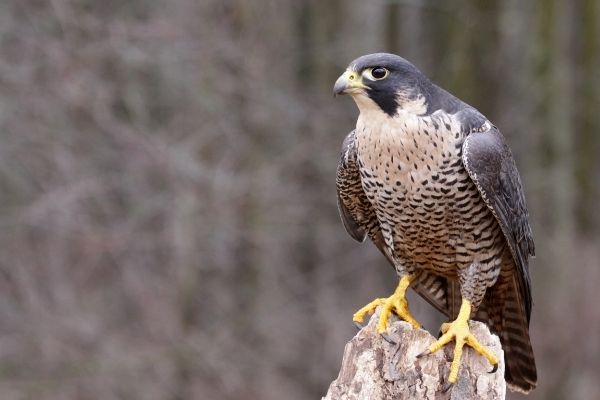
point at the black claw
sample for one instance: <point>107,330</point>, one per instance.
<point>423,354</point>
<point>446,387</point>
<point>494,369</point>
<point>358,325</point>
<point>388,339</point>
<point>440,333</point>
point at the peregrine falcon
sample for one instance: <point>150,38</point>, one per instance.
<point>433,184</point>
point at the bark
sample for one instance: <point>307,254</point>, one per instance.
<point>372,368</point>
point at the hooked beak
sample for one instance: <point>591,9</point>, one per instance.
<point>349,83</point>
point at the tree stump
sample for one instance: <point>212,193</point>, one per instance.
<point>373,368</point>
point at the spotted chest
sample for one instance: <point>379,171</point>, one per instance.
<point>429,211</point>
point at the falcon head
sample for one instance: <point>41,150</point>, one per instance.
<point>387,83</point>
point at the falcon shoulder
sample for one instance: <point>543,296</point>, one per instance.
<point>490,164</point>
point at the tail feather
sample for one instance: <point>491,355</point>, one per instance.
<point>508,318</point>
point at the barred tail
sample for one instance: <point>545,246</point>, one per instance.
<point>508,319</point>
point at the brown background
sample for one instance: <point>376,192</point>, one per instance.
<point>169,227</point>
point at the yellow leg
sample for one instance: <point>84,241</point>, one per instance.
<point>396,303</point>
<point>459,331</point>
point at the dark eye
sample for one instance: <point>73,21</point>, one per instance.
<point>379,73</point>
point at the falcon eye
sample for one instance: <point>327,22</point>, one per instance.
<point>379,73</point>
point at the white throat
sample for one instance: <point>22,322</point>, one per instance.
<point>365,104</point>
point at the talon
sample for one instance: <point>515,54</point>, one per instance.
<point>396,304</point>
<point>360,315</point>
<point>494,369</point>
<point>423,354</point>
<point>388,339</point>
<point>446,387</point>
<point>445,326</point>
<point>358,325</point>
<point>460,333</point>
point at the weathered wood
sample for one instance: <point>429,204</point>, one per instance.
<point>374,369</point>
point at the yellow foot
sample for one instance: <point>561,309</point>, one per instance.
<point>459,331</point>
<point>396,303</point>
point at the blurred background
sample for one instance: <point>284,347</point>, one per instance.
<point>169,224</point>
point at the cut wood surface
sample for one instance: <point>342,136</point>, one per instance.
<point>373,368</point>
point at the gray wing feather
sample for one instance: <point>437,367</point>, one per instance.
<point>350,195</point>
<point>490,164</point>
<point>352,227</point>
